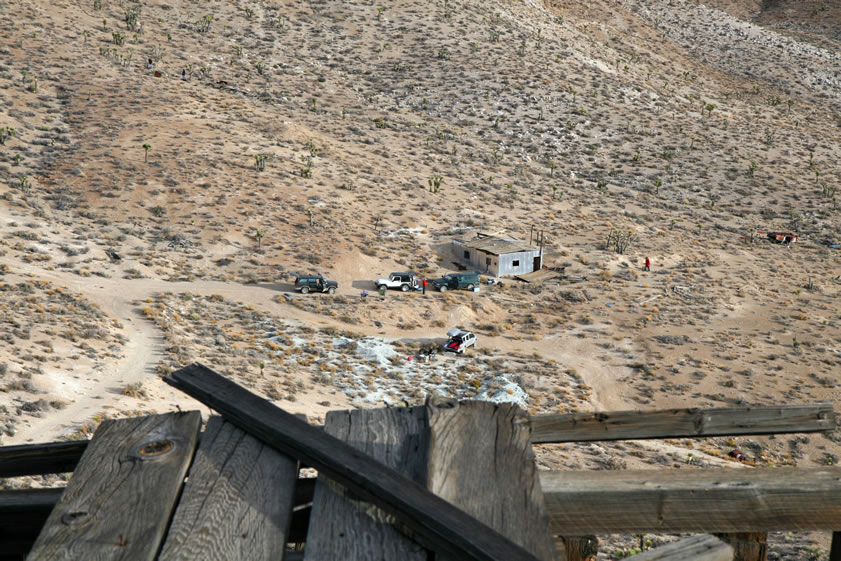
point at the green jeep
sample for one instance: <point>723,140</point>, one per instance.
<point>454,281</point>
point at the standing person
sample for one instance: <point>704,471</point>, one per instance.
<point>647,264</point>
<point>424,286</point>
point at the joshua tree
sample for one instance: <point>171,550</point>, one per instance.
<point>6,133</point>
<point>260,161</point>
<point>620,241</point>
<point>146,147</point>
<point>203,24</point>
<point>435,183</point>
<point>258,235</point>
<point>132,18</point>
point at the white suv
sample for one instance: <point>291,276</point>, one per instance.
<point>459,340</point>
<point>403,281</point>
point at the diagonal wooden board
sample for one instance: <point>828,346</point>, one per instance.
<point>237,502</point>
<point>121,496</point>
<point>439,525</point>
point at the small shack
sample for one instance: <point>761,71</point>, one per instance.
<point>499,256</point>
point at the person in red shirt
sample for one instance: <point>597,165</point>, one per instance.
<point>647,264</point>
<point>424,286</point>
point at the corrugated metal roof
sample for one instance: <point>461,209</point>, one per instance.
<point>499,246</point>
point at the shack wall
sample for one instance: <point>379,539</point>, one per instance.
<point>519,263</point>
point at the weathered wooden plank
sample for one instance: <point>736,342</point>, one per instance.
<point>122,493</point>
<point>40,459</point>
<point>441,526</point>
<point>678,423</point>
<point>480,459</point>
<point>693,548</point>
<point>344,528</point>
<point>697,500</point>
<point>237,502</point>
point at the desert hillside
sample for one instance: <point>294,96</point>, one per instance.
<point>167,168</point>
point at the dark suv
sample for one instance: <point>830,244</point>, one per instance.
<point>314,283</point>
<point>455,281</point>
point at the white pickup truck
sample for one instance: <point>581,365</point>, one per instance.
<point>402,281</point>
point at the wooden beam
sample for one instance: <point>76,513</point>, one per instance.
<point>683,423</point>
<point>441,526</point>
<point>123,491</point>
<point>40,459</point>
<point>237,502</point>
<point>23,513</point>
<point>692,500</point>
<point>693,548</point>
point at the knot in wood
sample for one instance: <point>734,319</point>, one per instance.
<point>70,518</point>
<point>156,448</point>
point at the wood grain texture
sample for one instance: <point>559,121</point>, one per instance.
<point>579,548</point>
<point>693,548</point>
<point>40,459</point>
<point>481,459</point>
<point>747,546</point>
<point>714,500</point>
<point>237,502</point>
<point>119,501</point>
<point>677,423</point>
<point>441,526</point>
<point>343,528</point>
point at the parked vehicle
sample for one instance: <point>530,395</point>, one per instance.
<point>454,281</point>
<point>314,283</point>
<point>403,281</point>
<point>459,340</point>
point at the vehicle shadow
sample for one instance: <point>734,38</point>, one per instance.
<point>364,285</point>
<point>276,286</point>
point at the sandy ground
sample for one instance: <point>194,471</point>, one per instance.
<point>689,126</point>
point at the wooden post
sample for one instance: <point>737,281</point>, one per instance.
<point>120,500</point>
<point>237,502</point>
<point>338,529</point>
<point>580,548</point>
<point>475,455</point>
<point>751,546</point>
<point>480,458</point>
<point>835,551</point>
